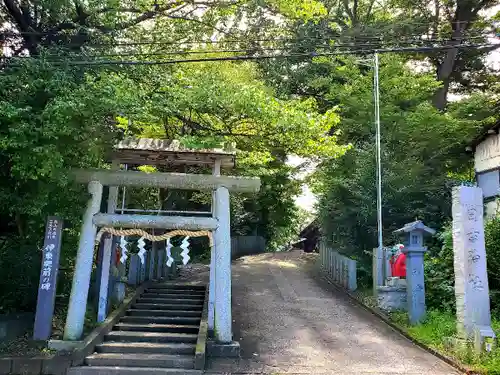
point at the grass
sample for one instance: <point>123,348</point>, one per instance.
<point>366,296</point>
<point>23,346</point>
<point>435,332</point>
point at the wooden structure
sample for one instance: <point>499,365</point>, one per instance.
<point>165,153</point>
<point>147,151</point>
<point>486,149</point>
<point>312,235</point>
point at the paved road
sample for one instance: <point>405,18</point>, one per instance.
<point>288,324</point>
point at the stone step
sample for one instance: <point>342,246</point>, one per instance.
<point>176,313</point>
<point>151,336</point>
<point>161,320</point>
<point>141,360</point>
<point>146,347</point>
<point>177,286</point>
<point>173,301</point>
<point>173,295</point>
<point>121,370</point>
<point>175,291</point>
<point>166,306</point>
<point>155,327</point>
<point>183,293</point>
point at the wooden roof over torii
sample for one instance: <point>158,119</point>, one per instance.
<point>150,151</point>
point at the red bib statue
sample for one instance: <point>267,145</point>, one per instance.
<point>398,263</point>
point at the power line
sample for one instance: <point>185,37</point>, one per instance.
<point>418,39</point>
<point>272,40</point>
<point>287,45</point>
<point>373,46</point>
<point>89,32</point>
<point>264,57</point>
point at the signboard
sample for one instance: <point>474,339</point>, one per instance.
<point>487,155</point>
<point>48,279</point>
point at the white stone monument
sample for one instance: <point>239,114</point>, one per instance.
<point>471,278</point>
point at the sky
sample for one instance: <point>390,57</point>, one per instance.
<point>307,199</point>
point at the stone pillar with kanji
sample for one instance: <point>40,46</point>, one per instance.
<point>471,277</point>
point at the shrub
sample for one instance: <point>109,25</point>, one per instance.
<point>439,272</point>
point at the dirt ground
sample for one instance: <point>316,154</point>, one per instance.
<point>287,323</point>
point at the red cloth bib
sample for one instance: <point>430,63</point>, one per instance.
<point>398,266</point>
<point>117,256</point>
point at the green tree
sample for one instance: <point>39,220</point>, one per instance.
<point>51,119</point>
<point>367,24</point>
<point>417,142</point>
<point>33,25</point>
<point>197,103</point>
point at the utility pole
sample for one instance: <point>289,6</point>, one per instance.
<point>376,97</point>
<point>374,64</point>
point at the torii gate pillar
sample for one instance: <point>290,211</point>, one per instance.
<point>222,241</point>
<point>83,267</point>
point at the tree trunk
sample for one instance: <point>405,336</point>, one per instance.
<point>465,13</point>
<point>445,69</point>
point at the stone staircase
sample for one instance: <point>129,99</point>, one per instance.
<point>156,336</point>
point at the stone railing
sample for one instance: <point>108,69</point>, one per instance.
<point>338,268</point>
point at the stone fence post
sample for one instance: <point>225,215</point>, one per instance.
<point>338,268</point>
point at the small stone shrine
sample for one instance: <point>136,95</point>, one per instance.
<point>391,294</point>
<point>414,250</point>
<point>407,294</point>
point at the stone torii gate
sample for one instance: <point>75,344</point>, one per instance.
<point>160,152</point>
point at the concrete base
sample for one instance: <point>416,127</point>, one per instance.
<point>229,350</point>
<point>484,339</point>
<point>395,281</point>
<point>458,345</point>
<point>392,298</point>
<point>64,345</point>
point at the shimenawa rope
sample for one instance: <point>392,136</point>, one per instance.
<point>152,237</point>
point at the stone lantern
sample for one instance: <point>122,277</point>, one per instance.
<point>414,249</point>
